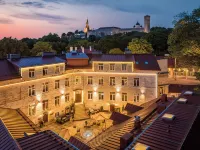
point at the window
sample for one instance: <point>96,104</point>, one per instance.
<point>101,81</point>
<point>137,62</point>
<point>136,97</point>
<point>124,67</point>
<point>124,81</point>
<point>32,109</point>
<point>31,73</point>
<point>124,96</point>
<point>57,84</point>
<point>101,95</point>
<point>57,101</point>
<point>57,70</point>
<point>45,104</point>
<point>45,87</point>
<point>57,114</point>
<point>90,95</point>
<point>100,66</point>
<point>67,97</point>
<point>31,90</point>
<point>112,96</point>
<point>146,62</point>
<point>77,80</point>
<point>112,67</point>
<point>90,80</point>
<point>45,71</point>
<point>112,81</point>
<point>136,82</point>
<point>67,82</point>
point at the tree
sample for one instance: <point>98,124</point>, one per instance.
<point>184,40</point>
<point>92,38</point>
<point>40,47</point>
<point>140,46</point>
<point>158,37</point>
<point>30,42</point>
<point>13,46</point>
<point>116,51</point>
<point>51,38</point>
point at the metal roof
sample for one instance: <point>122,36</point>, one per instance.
<point>36,61</point>
<point>76,55</point>
<point>79,144</point>
<point>114,57</point>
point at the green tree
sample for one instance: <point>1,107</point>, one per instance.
<point>184,41</point>
<point>158,37</point>
<point>30,42</point>
<point>51,38</point>
<point>13,46</point>
<point>40,47</point>
<point>140,46</point>
<point>116,51</point>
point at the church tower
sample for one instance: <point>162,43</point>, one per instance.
<point>147,23</point>
<point>87,28</point>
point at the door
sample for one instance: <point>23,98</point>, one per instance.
<point>78,97</point>
<point>45,117</point>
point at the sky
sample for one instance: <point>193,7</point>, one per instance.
<point>35,18</point>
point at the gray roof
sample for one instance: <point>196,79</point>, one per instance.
<point>75,55</point>
<point>36,61</point>
<point>114,57</point>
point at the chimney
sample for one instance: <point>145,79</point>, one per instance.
<point>13,56</point>
<point>147,23</point>
<point>75,48</point>
<point>125,140</point>
<point>83,49</point>
<point>127,51</point>
<point>90,48</point>
<point>71,49</point>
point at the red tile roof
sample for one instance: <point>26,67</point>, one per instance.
<point>118,117</point>
<point>132,108</point>
<point>46,140</point>
<point>163,135</point>
<point>79,144</point>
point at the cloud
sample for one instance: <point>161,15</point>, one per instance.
<point>129,6</point>
<point>2,2</point>
<point>55,19</point>
<point>33,4</point>
<point>6,21</point>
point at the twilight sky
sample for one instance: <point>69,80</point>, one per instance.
<point>35,18</point>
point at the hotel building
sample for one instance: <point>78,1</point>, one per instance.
<point>47,86</point>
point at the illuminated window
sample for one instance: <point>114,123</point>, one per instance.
<point>90,80</point>
<point>112,96</point>
<point>136,82</point>
<point>31,73</point>
<point>45,71</point>
<point>31,110</point>
<point>146,62</point>
<point>57,84</point>
<point>124,97</point>
<point>112,67</point>
<point>45,104</point>
<point>101,95</point>
<point>90,95</point>
<point>100,66</point>
<point>57,69</point>
<point>112,81</point>
<point>45,87</point>
<point>67,97</point>
<point>57,100</point>
<point>57,114</point>
<point>124,81</point>
<point>136,97</point>
<point>31,90</point>
<point>137,62</point>
<point>67,82</point>
<point>101,81</point>
<point>124,67</point>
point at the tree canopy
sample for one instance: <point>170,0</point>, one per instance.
<point>116,51</point>
<point>184,41</point>
<point>40,47</point>
<point>140,46</point>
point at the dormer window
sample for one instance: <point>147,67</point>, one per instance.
<point>57,70</point>
<point>31,73</point>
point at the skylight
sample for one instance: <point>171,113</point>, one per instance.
<point>146,62</point>
<point>140,146</point>
<point>188,93</point>
<point>168,117</point>
<point>137,62</point>
<point>182,100</point>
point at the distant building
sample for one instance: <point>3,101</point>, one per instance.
<point>104,31</point>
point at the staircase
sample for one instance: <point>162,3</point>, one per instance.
<point>80,113</point>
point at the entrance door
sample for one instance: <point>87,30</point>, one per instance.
<point>45,117</point>
<point>78,97</point>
